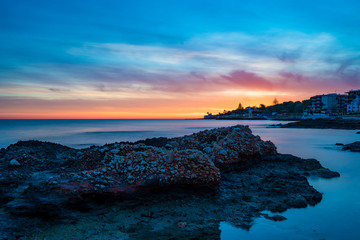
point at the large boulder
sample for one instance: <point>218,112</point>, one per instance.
<point>227,145</point>
<point>155,182</point>
<point>47,176</point>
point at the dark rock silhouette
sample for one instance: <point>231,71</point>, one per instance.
<point>352,147</point>
<point>351,124</point>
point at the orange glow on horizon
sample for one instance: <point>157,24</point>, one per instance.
<point>191,108</point>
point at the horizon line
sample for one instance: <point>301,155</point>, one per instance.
<point>100,118</point>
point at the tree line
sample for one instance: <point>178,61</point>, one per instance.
<point>285,107</point>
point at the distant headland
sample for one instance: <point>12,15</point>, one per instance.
<point>320,106</point>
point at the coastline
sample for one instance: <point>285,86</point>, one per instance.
<point>280,182</point>
<point>349,124</point>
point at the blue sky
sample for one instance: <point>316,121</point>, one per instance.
<point>113,54</point>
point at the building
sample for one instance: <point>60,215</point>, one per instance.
<point>330,103</point>
<point>354,105</point>
<point>342,102</point>
<point>325,103</point>
<point>209,116</point>
<point>353,101</point>
<point>316,104</point>
<point>353,94</point>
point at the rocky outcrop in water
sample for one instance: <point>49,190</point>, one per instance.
<point>351,124</point>
<point>352,147</point>
<point>48,174</point>
<point>230,166</point>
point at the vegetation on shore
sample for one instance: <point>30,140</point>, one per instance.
<point>285,108</point>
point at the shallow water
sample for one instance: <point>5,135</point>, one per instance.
<point>337,216</point>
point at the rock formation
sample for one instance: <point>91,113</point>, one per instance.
<point>45,179</point>
<point>352,147</point>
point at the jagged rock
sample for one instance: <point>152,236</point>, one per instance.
<point>52,177</point>
<point>227,145</point>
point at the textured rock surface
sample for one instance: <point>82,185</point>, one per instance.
<point>275,184</point>
<point>53,180</point>
<point>226,146</point>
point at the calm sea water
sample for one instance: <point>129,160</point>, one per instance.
<point>84,133</point>
<point>337,216</point>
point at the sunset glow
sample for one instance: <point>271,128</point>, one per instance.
<point>75,59</point>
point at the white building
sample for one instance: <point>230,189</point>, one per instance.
<point>354,106</point>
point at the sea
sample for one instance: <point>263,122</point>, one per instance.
<point>337,216</point>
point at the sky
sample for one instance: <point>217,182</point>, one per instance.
<point>171,59</point>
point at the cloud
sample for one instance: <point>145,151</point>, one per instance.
<point>248,80</point>
<point>58,90</point>
<point>349,70</point>
<point>289,57</point>
<point>209,63</point>
<point>295,77</point>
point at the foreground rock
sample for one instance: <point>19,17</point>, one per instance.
<point>351,124</point>
<point>352,147</point>
<point>224,174</point>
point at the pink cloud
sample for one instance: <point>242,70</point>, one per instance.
<point>248,80</point>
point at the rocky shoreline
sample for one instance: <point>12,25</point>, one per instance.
<point>169,188</point>
<point>350,124</point>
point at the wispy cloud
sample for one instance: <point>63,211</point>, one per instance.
<point>248,80</point>
<point>222,53</point>
<point>275,63</point>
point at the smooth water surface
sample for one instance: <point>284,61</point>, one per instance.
<point>337,216</point>
<point>81,133</point>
